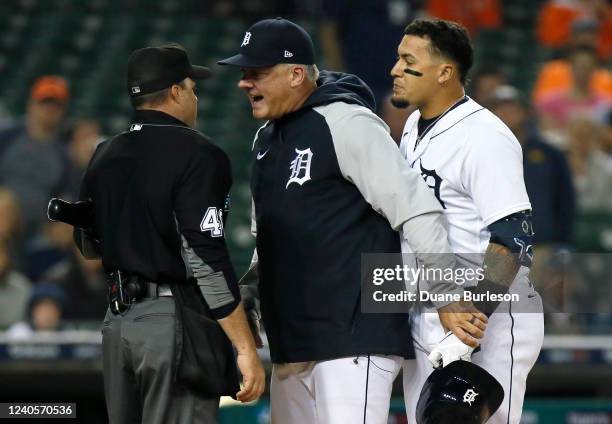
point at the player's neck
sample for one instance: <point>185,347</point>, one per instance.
<point>441,103</point>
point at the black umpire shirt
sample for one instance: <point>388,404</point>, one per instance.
<point>160,192</point>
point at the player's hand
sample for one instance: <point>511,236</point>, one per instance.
<point>465,321</point>
<point>253,376</point>
<point>450,349</point>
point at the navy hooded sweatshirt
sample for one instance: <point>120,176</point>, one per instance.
<point>327,187</point>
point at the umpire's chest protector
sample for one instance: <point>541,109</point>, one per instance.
<point>312,227</point>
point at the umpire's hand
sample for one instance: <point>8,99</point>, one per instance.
<point>465,321</point>
<point>253,376</point>
<point>237,329</point>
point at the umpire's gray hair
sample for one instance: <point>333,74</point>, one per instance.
<point>312,72</point>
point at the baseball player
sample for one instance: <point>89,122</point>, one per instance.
<point>473,164</point>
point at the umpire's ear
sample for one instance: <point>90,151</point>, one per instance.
<point>174,93</point>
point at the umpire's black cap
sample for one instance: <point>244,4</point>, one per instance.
<point>152,69</point>
<point>273,41</point>
<point>459,393</point>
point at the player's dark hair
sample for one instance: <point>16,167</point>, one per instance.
<point>448,39</point>
<point>153,99</point>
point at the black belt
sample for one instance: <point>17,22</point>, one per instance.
<point>148,289</point>
<point>126,289</point>
<point>153,290</point>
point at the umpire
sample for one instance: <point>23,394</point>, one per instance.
<point>160,195</point>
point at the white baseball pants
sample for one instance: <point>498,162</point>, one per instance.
<point>509,349</point>
<point>345,390</point>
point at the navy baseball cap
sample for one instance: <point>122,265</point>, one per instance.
<point>152,69</point>
<point>273,41</point>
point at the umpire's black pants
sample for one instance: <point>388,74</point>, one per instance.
<point>138,355</point>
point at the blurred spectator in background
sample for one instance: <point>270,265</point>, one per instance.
<point>260,9</point>
<point>11,225</point>
<point>84,136</point>
<point>547,174</point>
<point>473,14</point>
<point>51,246</point>
<point>84,283</point>
<point>484,81</point>
<point>591,166</point>
<point>14,291</point>
<point>549,184</point>
<point>44,312</point>
<point>33,162</point>
<point>558,76</point>
<point>6,119</point>
<point>360,37</point>
<point>558,107</point>
<point>560,20</point>
<point>605,143</point>
<point>252,9</point>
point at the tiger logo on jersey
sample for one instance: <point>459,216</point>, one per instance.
<point>434,182</point>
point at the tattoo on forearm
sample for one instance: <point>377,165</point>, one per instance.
<point>500,265</point>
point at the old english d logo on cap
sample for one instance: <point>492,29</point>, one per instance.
<point>246,39</point>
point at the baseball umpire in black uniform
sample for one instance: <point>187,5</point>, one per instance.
<point>160,194</point>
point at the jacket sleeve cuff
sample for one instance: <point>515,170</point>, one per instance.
<point>223,311</point>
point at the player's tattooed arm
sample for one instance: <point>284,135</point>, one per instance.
<point>500,265</point>
<point>510,247</point>
<point>466,320</point>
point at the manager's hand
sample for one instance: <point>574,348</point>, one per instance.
<point>253,376</point>
<point>465,321</point>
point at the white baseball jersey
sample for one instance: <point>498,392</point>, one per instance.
<point>473,163</point>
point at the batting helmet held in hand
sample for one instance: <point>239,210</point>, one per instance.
<point>460,393</point>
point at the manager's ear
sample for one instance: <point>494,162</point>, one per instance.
<point>297,76</point>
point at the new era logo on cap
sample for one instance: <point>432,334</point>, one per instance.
<point>288,54</point>
<point>135,90</point>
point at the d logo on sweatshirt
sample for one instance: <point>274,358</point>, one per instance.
<point>300,167</point>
